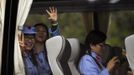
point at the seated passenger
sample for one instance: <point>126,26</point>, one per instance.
<point>27,41</point>
<point>91,63</point>
<point>40,38</point>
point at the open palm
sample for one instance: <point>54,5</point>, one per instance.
<point>52,12</point>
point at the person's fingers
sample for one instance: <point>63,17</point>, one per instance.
<point>19,37</point>
<point>22,36</point>
<point>117,61</point>
<point>114,58</point>
<point>50,8</point>
<point>21,43</point>
<point>48,12</point>
<point>53,9</point>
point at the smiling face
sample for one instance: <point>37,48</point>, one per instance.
<point>41,34</point>
<point>29,41</point>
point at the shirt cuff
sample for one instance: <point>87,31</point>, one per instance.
<point>105,72</point>
<point>55,24</point>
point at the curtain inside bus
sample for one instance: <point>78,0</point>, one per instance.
<point>23,10</point>
<point>2,13</point>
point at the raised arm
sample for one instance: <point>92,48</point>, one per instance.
<point>52,12</point>
<point>54,30</point>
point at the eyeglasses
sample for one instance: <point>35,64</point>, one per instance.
<point>29,37</point>
<point>101,44</point>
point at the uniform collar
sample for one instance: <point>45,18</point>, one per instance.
<point>39,52</point>
<point>26,54</point>
<point>96,56</point>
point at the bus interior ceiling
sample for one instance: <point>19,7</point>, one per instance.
<point>83,5</point>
